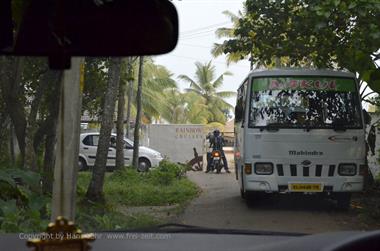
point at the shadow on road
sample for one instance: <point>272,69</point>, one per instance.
<point>293,202</point>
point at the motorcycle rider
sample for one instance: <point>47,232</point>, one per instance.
<point>217,143</point>
<point>210,138</point>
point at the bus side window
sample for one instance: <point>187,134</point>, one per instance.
<point>240,104</point>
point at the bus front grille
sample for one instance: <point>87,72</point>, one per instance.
<point>305,171</point>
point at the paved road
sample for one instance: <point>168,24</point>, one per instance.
<point>220,206</point>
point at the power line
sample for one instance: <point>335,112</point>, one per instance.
<point>197,59</point>
<point>196,36</point>
<point>202,28</point>
<point>195,45</point>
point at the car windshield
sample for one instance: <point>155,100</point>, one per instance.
<point>130,142</point>
<point>286,91</point>
<point>298,102</point>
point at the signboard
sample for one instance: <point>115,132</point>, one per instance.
<point>304,83</point>
<point>176,142</point>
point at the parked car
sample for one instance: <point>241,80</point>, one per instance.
<point>89,143</point>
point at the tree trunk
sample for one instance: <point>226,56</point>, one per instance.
<point>12,145</point>
<point>128,119</point>
<point>95,189</point>
<point>136,142</point>
<point>51,134</point>
<point>130,95</point>
<point>49,79</point>
<point>120,127</point>
<point>10,75</point>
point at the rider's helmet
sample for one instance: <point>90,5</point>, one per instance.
<point>216,133</point>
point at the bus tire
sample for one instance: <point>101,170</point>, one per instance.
<point>251,197</point>
<point>343,201</point>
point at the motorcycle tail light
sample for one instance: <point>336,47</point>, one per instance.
<point>215,154</point>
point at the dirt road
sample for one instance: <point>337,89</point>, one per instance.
<point>220,206</point>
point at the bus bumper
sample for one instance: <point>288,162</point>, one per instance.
<point>284,184</point>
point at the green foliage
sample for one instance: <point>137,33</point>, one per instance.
<point>4,132</point>
<point>95,84</point>
<point>167,173</point>
<point>205,85</point>
<point>337,34</point>
<point>163,185</point>
<point>156,79</point>
<point>95,218</point>
<point>22,208</point>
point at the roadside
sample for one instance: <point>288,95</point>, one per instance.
<point>220,206</point>
<point>136,200</point>
<point>367,206</point>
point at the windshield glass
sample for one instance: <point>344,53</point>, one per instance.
<point>265,83</point>
<point>297,102</point>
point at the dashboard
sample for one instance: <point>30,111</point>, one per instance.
<point>117,241</point>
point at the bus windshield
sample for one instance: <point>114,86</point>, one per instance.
<point>304,102</point>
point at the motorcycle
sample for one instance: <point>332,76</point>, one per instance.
<point>216,161</point>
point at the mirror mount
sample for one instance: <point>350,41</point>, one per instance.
<point>367,117</point>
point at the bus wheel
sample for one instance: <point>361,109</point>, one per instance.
<point>343,200</point>
<point>251,197</point>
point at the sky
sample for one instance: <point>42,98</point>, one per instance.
<point>198,21</point>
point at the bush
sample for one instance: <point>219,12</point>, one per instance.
<point>167,172</point>
<point>162,186</point>
<point>22,207</point>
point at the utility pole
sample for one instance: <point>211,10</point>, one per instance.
<point>66,163</point>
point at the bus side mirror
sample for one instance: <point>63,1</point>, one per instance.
<point>367,117</point>
<point>238,113</point>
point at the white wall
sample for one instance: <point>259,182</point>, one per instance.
<point>175,141</point>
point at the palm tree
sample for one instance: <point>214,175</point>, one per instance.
<point>136,138</point>
<point>183,108</point>
<point>156,79</point>
<point>225,32</point>
<point>174,111</point>
<point>95,188</point>
<point>206,86</point>
<point>196,109</point>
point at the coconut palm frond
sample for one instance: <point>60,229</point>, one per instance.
<point>225,94</point>
<point>224,32</point>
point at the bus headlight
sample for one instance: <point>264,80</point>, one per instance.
<point>347,169</point>
<point>263,168</point>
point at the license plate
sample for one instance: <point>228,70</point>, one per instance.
<point>306,187</point>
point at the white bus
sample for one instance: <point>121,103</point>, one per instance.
<point>300,131</point>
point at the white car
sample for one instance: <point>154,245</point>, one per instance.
<point>89,144</point>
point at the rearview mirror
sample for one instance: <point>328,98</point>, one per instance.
<point>238,112</point>
<point>95,28</point>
